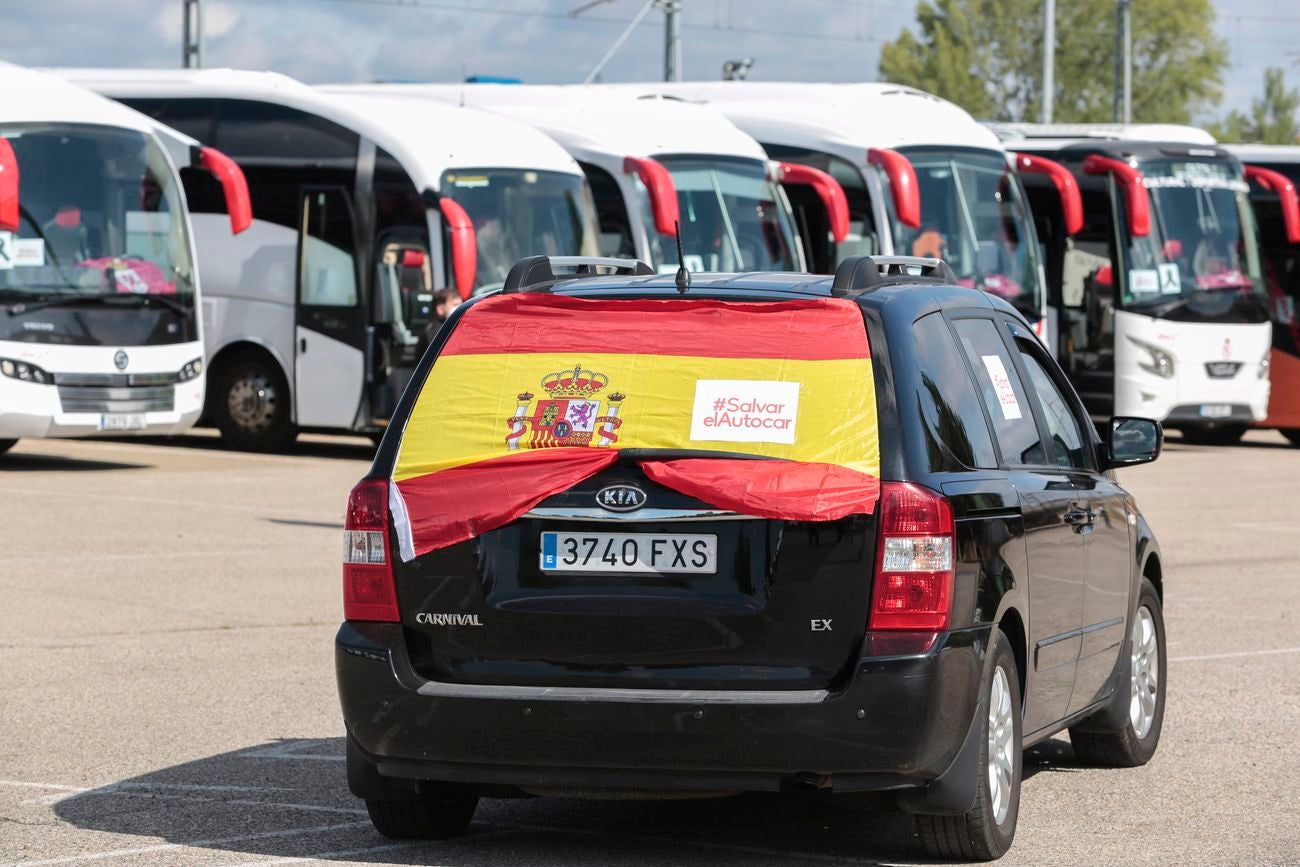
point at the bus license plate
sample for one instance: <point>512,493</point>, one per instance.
<point>629,552</point>
<point>1215,410</point>
<point>122,421</point>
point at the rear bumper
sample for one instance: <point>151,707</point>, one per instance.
<point>898,723</point>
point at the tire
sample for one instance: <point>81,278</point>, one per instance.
<point>1292,435</point>
<point>251,404</point>
<point>1224,435</point>
<point>435,815</point>
<point>1135,741</point>
<point>6,445</point>
<point>979,834</point>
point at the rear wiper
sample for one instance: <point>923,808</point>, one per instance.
<point>73,298</point>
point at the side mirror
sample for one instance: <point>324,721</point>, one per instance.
<point>1133,441</point>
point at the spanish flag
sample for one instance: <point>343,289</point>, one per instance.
<point>764,408</point>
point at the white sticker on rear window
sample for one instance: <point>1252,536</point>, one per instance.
<point>1002,386</point>
<point>745,411</point>
<point>1171,281</point>
<point>6,250</point>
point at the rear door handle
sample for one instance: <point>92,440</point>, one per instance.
<point>1078,516</point>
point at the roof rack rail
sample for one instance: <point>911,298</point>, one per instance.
<point>858,274</point>
<point>535,272</point>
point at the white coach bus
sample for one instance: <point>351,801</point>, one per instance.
<point>1161,292</point>
<point>100,330</point>
<point>654,163</point>
<point>369,209</point>
<point>920,175</point>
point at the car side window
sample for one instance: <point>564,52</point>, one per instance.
<point>956,432</point>
<point>1003,393</point>
<point>1067,445</point>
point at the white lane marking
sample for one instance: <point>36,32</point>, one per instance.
<point>215,841</point>
<point>1237,655</point>
<point>238,802</point>
<point>369,850</point>
<point>157,501</point>
<point>152,555</point>
<point>23,784</point>
<point>57,797</point>
<point>289,750</point>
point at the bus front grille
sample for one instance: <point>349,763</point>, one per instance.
<point>126,399</point>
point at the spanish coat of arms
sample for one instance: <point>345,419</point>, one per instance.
<point>569,415</point>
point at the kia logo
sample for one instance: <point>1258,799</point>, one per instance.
<point>620,498</point>
<point>121,359</point>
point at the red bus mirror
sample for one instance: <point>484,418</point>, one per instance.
<point>9,215</point>
<point>1135,192</point>
<point>828,189</point>
<point>1286,196</point>
<point>1066,187</point>
<point>663,193</point>
<point>464,245</point>
<point>902,184</point>
<point>239,204</point>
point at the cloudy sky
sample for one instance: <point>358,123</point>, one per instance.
<point>357,40</point>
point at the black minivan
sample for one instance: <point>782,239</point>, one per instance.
<point>943,573</point>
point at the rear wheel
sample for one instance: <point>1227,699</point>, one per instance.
<point>1134,742</point>
<point>444,811</point>
<point>985,832</point>
<point>1223,435</point>
<point>251,404</point>
<point>6,445</point>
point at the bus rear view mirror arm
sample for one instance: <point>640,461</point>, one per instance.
<point>1132,441</point>
<point>663,192</point>
<point>464,245</point>
<point>9,214</point>
<point>903,187</point>
<point>239,204</point>
<point>1066,186</point>
<point>1135,191</point>
<point>828,189</point>
<point>1286,196</point>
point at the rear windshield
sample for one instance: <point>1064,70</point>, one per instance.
<point>764,408</point>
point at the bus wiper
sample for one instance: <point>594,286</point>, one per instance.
<point>108,298</point>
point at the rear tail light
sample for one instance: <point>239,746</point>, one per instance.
<point>914,565</point>
<point>368,589</point>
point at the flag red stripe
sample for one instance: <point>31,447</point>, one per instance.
<point>786,490</point>
<point>816,329</point>
<point>458,504</point>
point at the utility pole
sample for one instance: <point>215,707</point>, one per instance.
<point>672,40</point>
<point>192,35</point>
<point>1123,107</point>
<point>1049,59</point>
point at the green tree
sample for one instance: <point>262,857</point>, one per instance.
<point>1272,119</point>
<point>986,56</point>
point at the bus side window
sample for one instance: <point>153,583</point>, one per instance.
<point>328,268</point>
<point>611,212</point>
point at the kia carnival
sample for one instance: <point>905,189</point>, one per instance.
<point>773,532</point>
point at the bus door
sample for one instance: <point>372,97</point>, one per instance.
<point>329,350</point>
<point>1088,286</point>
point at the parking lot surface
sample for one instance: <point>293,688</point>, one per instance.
<point>167,612</point>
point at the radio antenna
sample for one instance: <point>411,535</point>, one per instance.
<point>683,278</point>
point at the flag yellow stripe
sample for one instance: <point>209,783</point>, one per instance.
<point>463,413</point>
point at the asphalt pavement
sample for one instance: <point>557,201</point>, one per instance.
<point>167,612</point>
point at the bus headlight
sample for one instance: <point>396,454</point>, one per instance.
<point>24,371</point>
<point>1161,363</point>
<point>190,370</point>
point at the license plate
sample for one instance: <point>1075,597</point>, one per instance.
<point>629,552</point>
<point>122,421</point>
<point>1215,410</point>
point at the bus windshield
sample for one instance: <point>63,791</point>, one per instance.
<point>100,215</point>
<point>1201,258</point>
<point>732,217</point>
<point>519,213</point>
<point>973,217</point>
